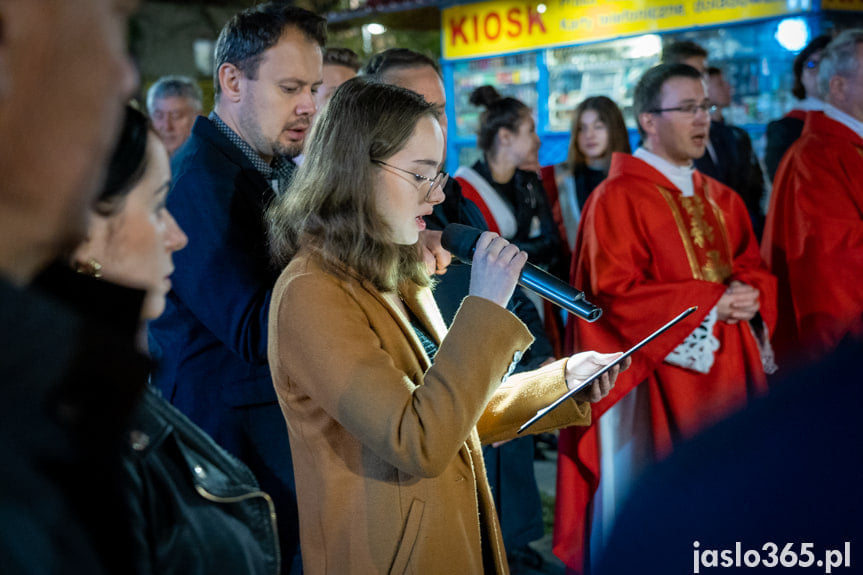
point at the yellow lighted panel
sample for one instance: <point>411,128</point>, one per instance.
<point>496,27</point>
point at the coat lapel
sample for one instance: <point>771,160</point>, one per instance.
<point>403,321</point>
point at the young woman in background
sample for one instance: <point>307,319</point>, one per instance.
<point>512,200</point>
<point>598,130</point>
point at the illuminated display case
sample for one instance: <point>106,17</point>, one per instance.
<point>756,65</point>
<point>756,56</point>
<point>604,69</point>
<point>514,76</point>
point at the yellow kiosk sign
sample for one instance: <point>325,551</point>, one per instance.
<point>853,5</point>
<point>496,27</point>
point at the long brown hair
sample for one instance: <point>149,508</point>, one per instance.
<point>610,115</point>
<point>329,207</point>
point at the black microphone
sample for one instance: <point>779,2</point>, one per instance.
<point>460,240</point>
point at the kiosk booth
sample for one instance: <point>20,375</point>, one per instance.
<point>553,54</point>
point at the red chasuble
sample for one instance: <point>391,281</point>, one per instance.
<point>645,253</point>
<point>813,239</point>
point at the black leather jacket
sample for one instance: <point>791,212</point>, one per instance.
<point>196,508</point>
<point>526,196</point>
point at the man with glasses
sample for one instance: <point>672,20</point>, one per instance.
<point>813,240</point>
<point>656,237</point>
<point>728,157</point>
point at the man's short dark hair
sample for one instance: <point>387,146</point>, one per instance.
<point>648,91</point>
<point>398,58</point>
<point>342,57</point>
<point>713,71</point>
<point>679,51</point>
<point>250,33</point>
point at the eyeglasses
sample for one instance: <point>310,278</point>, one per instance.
<point>689,109</point>
<point>438,181</point>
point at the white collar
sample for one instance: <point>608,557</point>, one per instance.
<point>810,104</point>
<point>680,176</point>
<point>846,119</point>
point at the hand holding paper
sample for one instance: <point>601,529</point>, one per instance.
<point>583,365</point>
<point>617,358</point>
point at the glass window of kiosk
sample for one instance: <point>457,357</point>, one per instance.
<point>609,69</point>
<point>515,75</point>
<point>756,59</point>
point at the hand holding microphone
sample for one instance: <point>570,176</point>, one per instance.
<point>462,240</point>
<point>496,267</point>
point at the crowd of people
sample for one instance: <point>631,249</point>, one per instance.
<point>234,342</point>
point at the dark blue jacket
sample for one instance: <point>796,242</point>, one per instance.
<point>211,341</point>
<point>738,168</point>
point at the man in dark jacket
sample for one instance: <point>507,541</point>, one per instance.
<point>735,163</point>
<point>61,408</point>
<point>212,338</point>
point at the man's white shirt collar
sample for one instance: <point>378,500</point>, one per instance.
<point>680,176</point>
<point>810,104</point>
<point>847,120</point>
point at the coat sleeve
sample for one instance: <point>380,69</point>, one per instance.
<point>545,249</point>
<point>223,275</point>
<point>522,395</point>
<point>350,363</point>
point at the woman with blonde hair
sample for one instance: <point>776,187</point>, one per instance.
<point>385,408</point>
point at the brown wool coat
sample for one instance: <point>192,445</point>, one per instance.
<point>386,447</point>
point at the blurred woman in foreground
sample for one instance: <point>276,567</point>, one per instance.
<point>195,508</point>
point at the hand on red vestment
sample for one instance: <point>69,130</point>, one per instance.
<point>496,267</point>
<point>582,365</point>
<point>738,303</point>
<point>436,258</point>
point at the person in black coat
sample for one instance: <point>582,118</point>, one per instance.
<point>67,384</point>
<point>729,157</point>
<point>781,478</point>
<point>783,132</point>
<point>194,508</point>
<point>211,342</point>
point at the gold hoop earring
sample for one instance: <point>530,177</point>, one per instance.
<point>90,268</point>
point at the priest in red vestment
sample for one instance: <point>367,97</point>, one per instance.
<point>813,238</point>
<point>656,238</point>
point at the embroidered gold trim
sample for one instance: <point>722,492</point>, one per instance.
<point>684,233</point>
<point>700,230</point>
<point>726,242</point>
